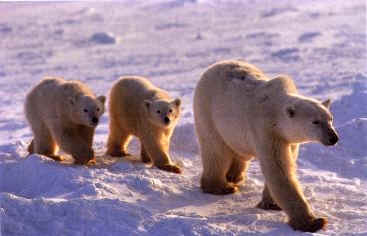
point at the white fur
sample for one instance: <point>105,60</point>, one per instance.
<point>138,108</point>
<point>239,114</point>
<point>61,114</point>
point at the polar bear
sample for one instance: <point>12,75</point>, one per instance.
<point>240,114</point>
<point>138,108</point>
<point>63,114</point>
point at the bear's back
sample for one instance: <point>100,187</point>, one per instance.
<point>46,86</point>
<point>239,81</point>
<point>134,90</point>
<point>127,99</point>
<point>234,69</point>
<point>43,93</point>
<point>228,81</point>
<point>51,95</point>
<point>74,88</point>
<point>134,85</point>
<point>231,75</point>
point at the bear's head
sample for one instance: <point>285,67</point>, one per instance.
<point>308,120</point>
<point>86,110</point>
<point>163,113</point>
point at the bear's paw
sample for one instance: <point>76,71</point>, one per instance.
<point>313,225</point>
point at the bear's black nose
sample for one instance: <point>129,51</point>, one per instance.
<point>95,120</point>
<point>166,120</point>
<point>334,139</point>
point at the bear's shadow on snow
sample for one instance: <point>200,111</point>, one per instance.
<point>102,161</point>
<point>242,214</point>
<point>195,197</point>
<point>164,201</point>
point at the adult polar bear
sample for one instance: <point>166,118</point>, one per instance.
<point>239,114</point>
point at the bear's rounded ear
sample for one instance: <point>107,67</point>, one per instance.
<point>147,104</point>
<point>290,112</point>
<point>177,102</point>
<point>326,103</point>
<point>102,99</point>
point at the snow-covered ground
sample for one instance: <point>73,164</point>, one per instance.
<point>321,44</point>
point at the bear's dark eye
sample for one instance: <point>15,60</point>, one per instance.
<point>158,111</point>
<point>316,122</point>
<point>85,110</point>
<point>98,109</point>
<point>170,111</point>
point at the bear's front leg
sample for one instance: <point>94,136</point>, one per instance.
<point>278,167</point>
<point>83,155</point>
<point>79,147</point>
<point>87,133</point>
<point>144,155</point>
<point>158,151</point>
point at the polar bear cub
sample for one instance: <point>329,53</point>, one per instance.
<point>63,114</point>
<point>138,108</point>
<point>240,114</point>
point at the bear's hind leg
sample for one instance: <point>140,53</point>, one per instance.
<point>117,143</point>
<point>214,181</point>
<point>267,202</point>
<point>215,168</point>
<point>216,158</point>
<point>237,172</point>
<point>43,143</point>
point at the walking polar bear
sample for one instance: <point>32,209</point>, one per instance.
<point>63,114</point>
<point>139,108</point>
<point>239,114</point>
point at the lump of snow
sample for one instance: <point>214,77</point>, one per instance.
<point>277,11</point>
<point>102,38</point>
<point>287,54</point>
<point>352,106</point>
<point>354,137</point>
<point>308,37</point>
<point>5,28</point>
<point>170,26</point>
<point>183,141</point>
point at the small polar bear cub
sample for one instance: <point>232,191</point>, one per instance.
<point>138,108</point>
<point>241,114</point>
<point>63,114</point>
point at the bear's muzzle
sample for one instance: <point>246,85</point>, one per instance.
<point>333,138</point>
<point>95,121</point>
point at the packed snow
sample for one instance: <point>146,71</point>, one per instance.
<point>320,44</point>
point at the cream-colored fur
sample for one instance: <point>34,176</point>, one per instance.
<point>63,114</point>
<point>239,114</point>
<point>138,108</point>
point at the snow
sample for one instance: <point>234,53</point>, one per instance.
<point>321,44</point>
